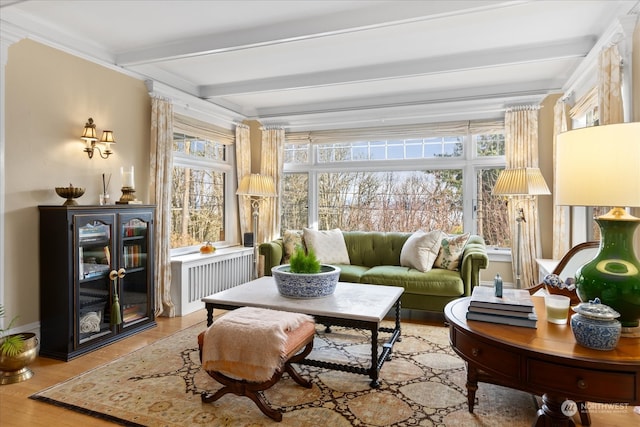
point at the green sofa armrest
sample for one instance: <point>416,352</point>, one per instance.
<point>474,259</point>
<point>272,252</point>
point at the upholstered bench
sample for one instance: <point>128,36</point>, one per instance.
<point>248,349</point>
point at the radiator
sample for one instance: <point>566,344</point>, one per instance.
<point>195,276</point>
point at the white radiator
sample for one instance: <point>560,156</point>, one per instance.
<point>195,276</point>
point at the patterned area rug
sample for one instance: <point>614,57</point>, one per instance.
<point>422,385</point>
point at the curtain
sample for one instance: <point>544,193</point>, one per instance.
<point>160,190</point>
<point>588,102</point>
<point>561,223</point>
<point>243,167</point>
<point>391,132</point>
<point>609,86</point>
<point>271,164</point>
<point>521,150</point>
<point>195,127</point>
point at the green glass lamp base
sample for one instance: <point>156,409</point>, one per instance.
<point>614,274</point>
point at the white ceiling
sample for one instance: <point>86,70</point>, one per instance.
<point>334,63</point>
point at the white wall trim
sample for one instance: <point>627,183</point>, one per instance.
<point>8,36</point>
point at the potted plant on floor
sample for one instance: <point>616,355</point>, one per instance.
<point>305,276</point>
<point>17,352</point>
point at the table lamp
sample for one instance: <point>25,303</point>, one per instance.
<point>256,187</point>
<point>600,166</point>
<point>520,182</point>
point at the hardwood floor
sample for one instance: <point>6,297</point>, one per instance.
<point>17,410</point>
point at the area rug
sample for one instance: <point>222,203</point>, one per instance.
<point>422,385</point>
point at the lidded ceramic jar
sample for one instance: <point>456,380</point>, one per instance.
<point>595,325</point>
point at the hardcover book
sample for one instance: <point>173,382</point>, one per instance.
<point>500,312</point>
<point>528,322</point>
<point>512,299</point>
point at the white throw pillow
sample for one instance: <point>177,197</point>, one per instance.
<point>421,250</point>
<point>328,245</point>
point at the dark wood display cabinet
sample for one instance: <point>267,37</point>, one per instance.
<point>88,256</point>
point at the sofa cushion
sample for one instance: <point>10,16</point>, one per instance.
<point>371,248</point>
<point>351,273</point>
<point>291,240</point>
<point>328,245</point>
<point>421,250</point>
<point>451,250</point>
<point>436,281</point>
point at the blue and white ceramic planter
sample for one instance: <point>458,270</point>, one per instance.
<point>595,326</point>
<point>296,285</point>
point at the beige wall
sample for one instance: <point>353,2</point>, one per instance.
<point>49,97</point>
<point>545,162</point>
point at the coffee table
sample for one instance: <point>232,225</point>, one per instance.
<point>545,361</point>
<point>352,305</point>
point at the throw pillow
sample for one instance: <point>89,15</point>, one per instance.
<point>291,240</point>
<point>421,250</point>
<point>328,245</point>
<point>451,250</point>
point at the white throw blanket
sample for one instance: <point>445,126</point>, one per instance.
<point>249,343</point>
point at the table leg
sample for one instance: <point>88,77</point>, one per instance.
<point>551,414</point>
<point>209,313</point>
<point>373,372</point>
<point>472,386</point>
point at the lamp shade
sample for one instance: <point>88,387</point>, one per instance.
<point>599,166</point>
<point>256,185</point>
<point>520,182</point>
<point>107,137</point>
<point>89,132</point>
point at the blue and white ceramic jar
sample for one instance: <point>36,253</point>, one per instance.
<point>595,326</point>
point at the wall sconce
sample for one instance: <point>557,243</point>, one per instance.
<point>90,136</point>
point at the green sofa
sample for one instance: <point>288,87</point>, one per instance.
<point>375,259</point>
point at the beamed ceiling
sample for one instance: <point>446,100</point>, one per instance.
<point>306,64</point>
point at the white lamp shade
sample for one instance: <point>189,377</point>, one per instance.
<point>599,166</point>
<point>520,182</point>
<point>256,185</point>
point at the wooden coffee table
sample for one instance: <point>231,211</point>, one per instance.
<point>352,305</point>
<point>545,361</point>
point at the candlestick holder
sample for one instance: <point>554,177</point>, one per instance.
<point>128,196</point>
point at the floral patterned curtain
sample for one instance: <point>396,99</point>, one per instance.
<point>609,86</point>
<point>561,222</point>
<point>243,167</point>
<point>271,164</point>
<point>521,150</point>
<point>160,190</point>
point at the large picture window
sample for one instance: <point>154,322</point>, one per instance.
<point>401,184</point>
<point>200,174</point>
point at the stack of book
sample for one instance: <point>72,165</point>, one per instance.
<point>515,307</point>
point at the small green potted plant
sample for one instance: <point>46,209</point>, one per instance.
<point>17,351</point>
<point>305,276</point>
<point>304,263</point>
<point>10,345</point>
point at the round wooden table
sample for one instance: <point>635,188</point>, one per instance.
<point>545,361</point>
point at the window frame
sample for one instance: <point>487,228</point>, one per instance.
<point>226,166</point>
<point>469,162</point>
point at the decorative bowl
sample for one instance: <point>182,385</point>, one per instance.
<point>595,325</point>
<point>297,285</point>
<point>70,193</point>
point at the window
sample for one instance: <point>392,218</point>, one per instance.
<point>201,170</point>
<point>399,184</point>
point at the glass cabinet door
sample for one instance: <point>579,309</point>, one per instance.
<point>93,234</point>
<point>135,251</point>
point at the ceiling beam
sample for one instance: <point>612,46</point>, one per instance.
<point>407,100</point>
<point>571,48</point>
<point>373,17</point>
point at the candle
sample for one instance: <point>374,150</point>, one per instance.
<point>127,176</point>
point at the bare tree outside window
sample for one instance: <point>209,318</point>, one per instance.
<point>389,195</point>
<point>197,192</point>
